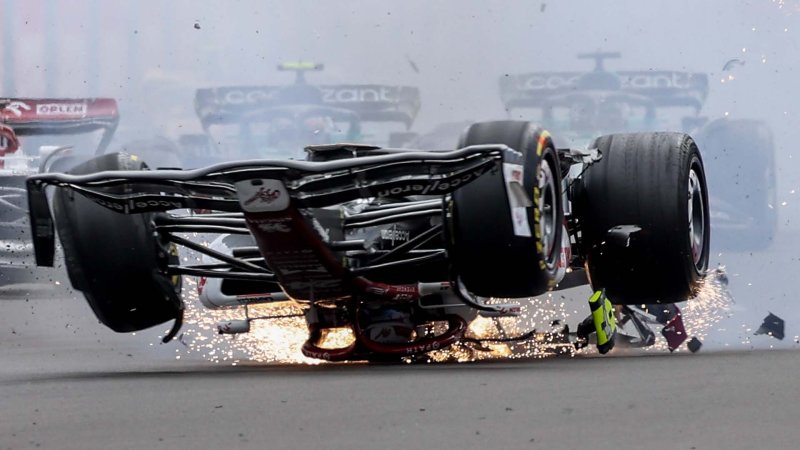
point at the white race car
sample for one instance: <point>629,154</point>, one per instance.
<point>42,135</point>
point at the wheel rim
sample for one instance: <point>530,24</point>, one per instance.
<point>547,204</point>
<point>697,218</point>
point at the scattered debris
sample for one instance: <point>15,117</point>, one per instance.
<point>721,275</point>
<point>694,344</point>
<point>732,64</point>
<point>773,326</point>
<point>196,26</point>
<point>674,332</point>
<point>412,64</point>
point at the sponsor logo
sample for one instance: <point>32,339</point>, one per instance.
<point>395,235</point>
<point>134,205</point>
<point>397,292</point>
<point>16,107</point>
<point>141,204</point>
<point>264,195</point>
<point>274,225</point>
<point>674,80</point>
<point>437,187</point>
<point>317,355</point>
<point>109,204</point>
<point>61,109</point>
<point>242,97</point>
<point>565,255</point>
<point>410,350</point>
<point>539,82</point>
<point>358,95</point>
<point>513,174</point>
<point>252,298</point>
<point>305,270</point>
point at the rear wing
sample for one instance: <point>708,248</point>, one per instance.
<point>371,102</point>
<point>32,116</point>
<point>663,87</point>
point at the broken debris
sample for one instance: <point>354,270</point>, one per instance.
<point>674,331</point>
<point>773,326</point>
<point>732,64</point>
<point>694,344</point>
<point>412,64</point>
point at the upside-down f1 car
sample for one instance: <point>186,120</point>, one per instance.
<point>402,247</point>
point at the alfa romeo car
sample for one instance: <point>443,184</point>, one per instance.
<point>402,248</point>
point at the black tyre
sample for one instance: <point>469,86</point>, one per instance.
<point>491,258</point>
<point>655,182</point>
<point>115,259</point>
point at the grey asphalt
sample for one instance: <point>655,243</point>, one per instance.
<point>67,383</point>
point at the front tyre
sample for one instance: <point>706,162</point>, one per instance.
<point>507,224</point>
<point>651,188</point>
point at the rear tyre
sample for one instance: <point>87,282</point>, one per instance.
<point>655,182</point>
<point>116,260</point>
<point>500,250</point>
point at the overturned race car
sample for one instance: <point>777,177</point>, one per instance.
<point>403,248</point>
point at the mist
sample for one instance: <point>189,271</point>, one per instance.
<point>151,56</point>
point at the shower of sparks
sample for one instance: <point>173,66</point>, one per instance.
<point>712,304</point>
<point>789,7</point>
<point>279,340</point>
<point>269,341</point>
<point>701,313</point>
<point>537,313</point>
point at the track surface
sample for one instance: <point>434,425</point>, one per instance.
<point>67,383</point>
